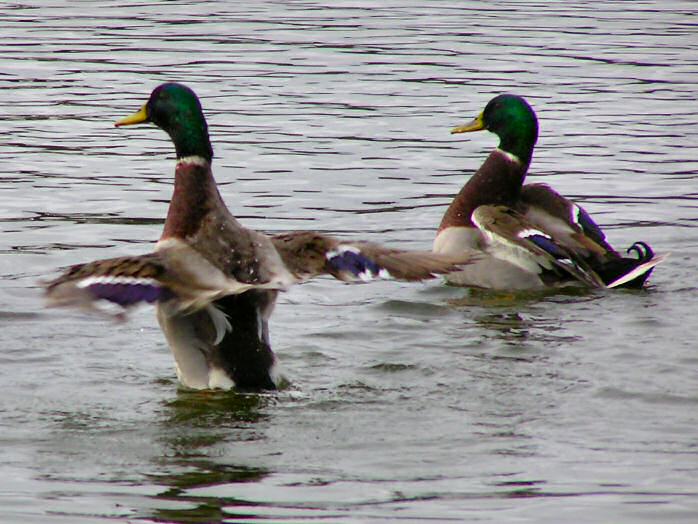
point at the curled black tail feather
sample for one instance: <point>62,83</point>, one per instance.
<point>612,270</point>
<point>643,250</point>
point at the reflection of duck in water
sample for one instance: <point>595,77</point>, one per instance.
<point>531,237</point>
<point>194,428</point>
<point>213,281</point>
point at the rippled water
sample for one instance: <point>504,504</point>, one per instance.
<point>408,402</point>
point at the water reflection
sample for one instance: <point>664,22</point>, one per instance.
<point>175,504</point>
<point>523,320</point>
<point>195,428</point>
<point>211,409</point>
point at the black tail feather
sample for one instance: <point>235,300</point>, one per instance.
<point>611,270</point>
<point>245,351</point>
<point>643,250</point>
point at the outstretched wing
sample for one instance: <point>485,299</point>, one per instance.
<point>122,282</point>
<point>510,236</point>
<point>176,272</point>
<point>309,254</point>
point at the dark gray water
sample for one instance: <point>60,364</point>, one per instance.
<point>408,403</point>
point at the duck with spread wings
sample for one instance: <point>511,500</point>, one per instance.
<point>214,282</point>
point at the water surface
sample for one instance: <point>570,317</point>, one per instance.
<point>408,402</point>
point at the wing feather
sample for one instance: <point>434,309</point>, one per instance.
<point>513,238</point>
<point>309,254</point>
<point>122,282</point>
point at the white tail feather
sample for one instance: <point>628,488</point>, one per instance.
<point>220,323</point>
<point>639,270</point>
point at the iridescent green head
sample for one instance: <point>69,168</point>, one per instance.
<point>176,109</point>
<point>512,120</point>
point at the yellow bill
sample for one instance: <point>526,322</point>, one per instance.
<point>477,124</point>
<point>136,118</point>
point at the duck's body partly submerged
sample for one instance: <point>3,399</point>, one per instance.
<point>214,282</point>
<point>527,236</point>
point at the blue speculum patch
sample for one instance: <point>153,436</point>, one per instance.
<point>354,263</point>
<point>126,294</point>
<point>548,245</point>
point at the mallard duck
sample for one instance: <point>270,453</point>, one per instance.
<point>528,236</point>
<point>214,282</point>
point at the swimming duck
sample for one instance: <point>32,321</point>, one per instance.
<point>214,282</point>
<point>529,236</point>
